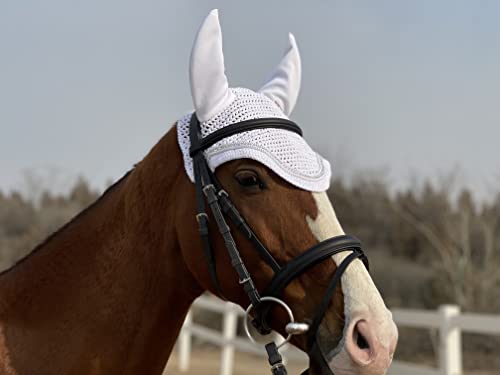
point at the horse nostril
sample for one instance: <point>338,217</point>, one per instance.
<point>362,345</point>
<point>361,342</point>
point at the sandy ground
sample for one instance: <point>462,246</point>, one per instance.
<point>207,361</point>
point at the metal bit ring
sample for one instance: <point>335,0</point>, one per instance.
<point>269,299</point>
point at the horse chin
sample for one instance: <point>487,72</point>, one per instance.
<point>342,364</point>
<point>321,364</point>
<point>319,368</point>
<point>316,368</point>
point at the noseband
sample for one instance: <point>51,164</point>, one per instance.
<point>209,188</point>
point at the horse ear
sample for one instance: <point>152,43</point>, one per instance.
<point>209,86</point>
<point>284,85</point>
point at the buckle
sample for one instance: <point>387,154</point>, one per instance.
<point>210,193</point>
<point>224,193</point>
<point>207,188</point>
<point>244,281</point>
<point>200,215</point>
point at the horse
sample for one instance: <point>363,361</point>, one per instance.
<point>108,292</point>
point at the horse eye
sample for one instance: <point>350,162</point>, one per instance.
<point>249,179</point>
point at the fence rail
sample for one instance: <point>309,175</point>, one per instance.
<point>448,320</point>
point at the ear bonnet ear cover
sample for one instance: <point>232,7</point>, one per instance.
<point>217,106</point>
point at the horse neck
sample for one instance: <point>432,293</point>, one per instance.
<point>110,290</point>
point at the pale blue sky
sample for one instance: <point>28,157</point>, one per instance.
<point>89,87</point>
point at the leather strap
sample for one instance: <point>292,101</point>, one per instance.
<point>240,223</point>
<point>201,215</point>
<point>316,356</point>
<point>243,126</point>
<point>308,259</point>
<point>275,359</point>
<point>300,264</point>
<point>327,297</point>
<point>208,190</point>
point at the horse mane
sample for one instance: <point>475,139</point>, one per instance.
<point>75,218</point>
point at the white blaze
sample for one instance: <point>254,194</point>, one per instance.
<point>361,297</point>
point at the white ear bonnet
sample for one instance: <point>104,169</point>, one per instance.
<point>217,106</point>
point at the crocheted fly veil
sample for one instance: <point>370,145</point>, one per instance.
<point>217,106</point>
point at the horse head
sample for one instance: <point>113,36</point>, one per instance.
<point>277,187</point>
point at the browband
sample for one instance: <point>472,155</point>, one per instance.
<point>243,126</point>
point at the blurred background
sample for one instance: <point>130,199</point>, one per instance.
<point>401,97</point>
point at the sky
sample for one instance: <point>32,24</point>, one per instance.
<point>404,88</point>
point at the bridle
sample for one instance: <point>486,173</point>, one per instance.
<point>209,189</point>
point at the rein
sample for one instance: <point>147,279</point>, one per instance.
<point>209,189</point>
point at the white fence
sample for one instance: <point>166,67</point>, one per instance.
<point>448,321</point>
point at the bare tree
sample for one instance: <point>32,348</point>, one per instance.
<point>463,243</point>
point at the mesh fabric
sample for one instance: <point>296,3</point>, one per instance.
<point>284,152</point>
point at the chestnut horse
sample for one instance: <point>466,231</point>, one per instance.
<point>108,293</point>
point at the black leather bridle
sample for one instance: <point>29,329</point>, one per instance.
<point>209,189</point>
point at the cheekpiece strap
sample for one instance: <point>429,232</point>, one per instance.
<point>207,189</point>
